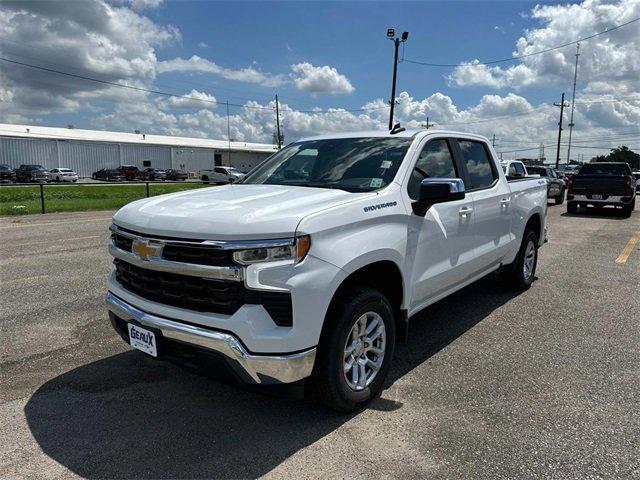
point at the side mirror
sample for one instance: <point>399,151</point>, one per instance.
<point>437,190</point>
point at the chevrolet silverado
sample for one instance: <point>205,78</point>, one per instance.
<point>310,268</point>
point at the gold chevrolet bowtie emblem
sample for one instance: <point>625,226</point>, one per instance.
<point>146,250</point>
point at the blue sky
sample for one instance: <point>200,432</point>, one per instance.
<point>328,55</point>
<point>348,36</point>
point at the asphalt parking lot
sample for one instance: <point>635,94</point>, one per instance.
<point>492,384</point>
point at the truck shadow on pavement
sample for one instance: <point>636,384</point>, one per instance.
<point>606,213</point>
<point>129,416</point>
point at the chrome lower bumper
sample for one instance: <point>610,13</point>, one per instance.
<point>260,369</point>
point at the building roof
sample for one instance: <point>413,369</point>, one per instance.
<point>53,133</point>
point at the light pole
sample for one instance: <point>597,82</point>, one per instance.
<point>396,43</point>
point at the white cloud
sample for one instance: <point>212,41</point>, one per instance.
<point>146,4</point>
<point>515,121</point>
<point>203,45</point>
<point>325,79</point>
<point>192,100</point>
<point>89,38</point>
<point>611,58</point>
<point>202,65</point>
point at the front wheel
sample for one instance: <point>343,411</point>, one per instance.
<point>560,198</point>
<point>355,351</point>
<point>572,207</point>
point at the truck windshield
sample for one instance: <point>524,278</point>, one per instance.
<point>603,169</point>
<point>351,164</point>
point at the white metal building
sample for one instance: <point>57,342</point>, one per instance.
<point>87,151</point>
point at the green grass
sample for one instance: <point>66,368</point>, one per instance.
<point>76,198</point>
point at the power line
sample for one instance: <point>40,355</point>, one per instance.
<point>168,94</point>
<point>518,57</point>
<point>121,85</point>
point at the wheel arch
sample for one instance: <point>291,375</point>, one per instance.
<point>535,223</point>
<point>384,276</point>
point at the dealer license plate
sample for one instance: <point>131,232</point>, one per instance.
<point>143,340</point>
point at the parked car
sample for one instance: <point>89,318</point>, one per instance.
<point>381,226</point>
<point>7,175</point>
<point>221,175</point>
<point>602,184</point>
<point>172,174</point>
<point>636,175</point>
<point>131,172</point>
<point>514,169</point>
<point>569,171</point>
<point>32,173</point>
<point>63,175</point>
<point>556,187</point>
<point>108,174</point>
<point>153,174</point>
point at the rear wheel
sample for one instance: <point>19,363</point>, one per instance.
<point>628,209</point>
<point>521,273</point>
<point>560,198</point>
<point>572,207</point>
<point>205,179</point>
<point>355,353</point>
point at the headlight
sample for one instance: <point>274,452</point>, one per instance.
<point>296,251</point>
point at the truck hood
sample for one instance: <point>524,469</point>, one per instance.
<point>230,212</point>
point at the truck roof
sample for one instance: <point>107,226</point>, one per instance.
<point>408,133</point>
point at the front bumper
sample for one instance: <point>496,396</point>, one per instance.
<point>249,367</point>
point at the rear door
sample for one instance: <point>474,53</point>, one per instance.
<point>443,238</point>
<point>491,197</point>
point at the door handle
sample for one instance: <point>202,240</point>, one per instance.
<point>505,202</point>
<point>464,211</point>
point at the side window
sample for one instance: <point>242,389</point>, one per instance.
<point>512,170</point>
<point>434,161</point>
<point>520,169</point>
<point>220,170</point>
<point>474,154</point>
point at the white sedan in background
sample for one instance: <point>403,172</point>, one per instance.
<point>63,175</point>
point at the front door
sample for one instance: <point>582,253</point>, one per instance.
<point>441,242</point>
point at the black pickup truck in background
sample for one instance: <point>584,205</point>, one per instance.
<point>601,184</point>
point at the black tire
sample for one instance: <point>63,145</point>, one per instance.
<point>560,198</point>
<point>572,207</point>
<point>627,210</point>
<point>329,381</point>
<point>205,179</point>
<point>514,275</point>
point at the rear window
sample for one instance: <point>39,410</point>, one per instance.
<point>538,171</point>
<point>604,169</point>
<point>481,174</point>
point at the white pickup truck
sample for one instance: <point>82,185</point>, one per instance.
<point>310,268</point>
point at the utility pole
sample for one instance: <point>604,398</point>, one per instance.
<point>493,140</point>
<point>561,105</point>
<point>427,125</point>
<point>573,102</point>
<point>279,139</point>
<point>396,43</point>
<point>228,136</point>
